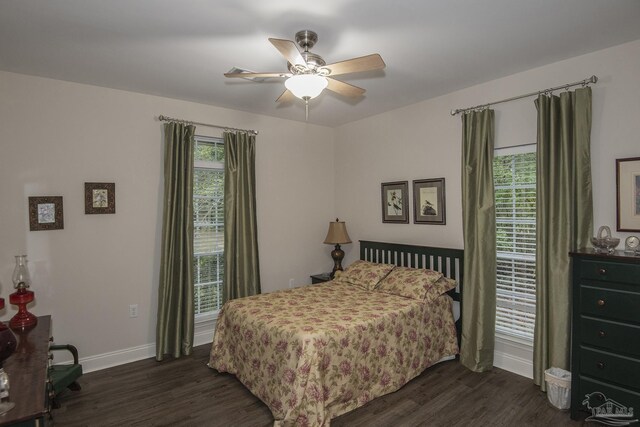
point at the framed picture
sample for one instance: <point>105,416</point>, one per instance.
<point>395,202</point>
<point>628,194</point>
<point>45,213</point>
<point>429,201</point>
<point>99,198</point>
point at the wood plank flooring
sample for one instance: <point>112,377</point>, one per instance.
<point>185,392</point>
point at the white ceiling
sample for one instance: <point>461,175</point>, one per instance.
<point>181,48</point>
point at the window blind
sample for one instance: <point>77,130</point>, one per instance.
<point>208,224</point>
<point>515,203</point>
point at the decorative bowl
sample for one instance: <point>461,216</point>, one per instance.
<point>605,244</point>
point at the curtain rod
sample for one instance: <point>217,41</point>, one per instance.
<point>590,80</point>
<point>163,118</point>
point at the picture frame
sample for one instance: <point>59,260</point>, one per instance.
<point>429,204</point>
<point>99,198</point>
<point>46,213</point>
<point>395,202</point>
<point>628,194</point>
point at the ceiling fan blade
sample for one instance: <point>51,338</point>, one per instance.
<point>257,75</point>
<point>287,96</point>
<point>344,89</point>
<point>356,65</point>
<point>289,50</point>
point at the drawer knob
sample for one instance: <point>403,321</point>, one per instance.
<point>600,365</point>
<point>602,271</point>
<point>601,302</point>
<point>601,334</point>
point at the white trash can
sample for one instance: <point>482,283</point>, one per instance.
<point>558,387</point>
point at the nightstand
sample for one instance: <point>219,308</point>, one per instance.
<point>319,278</point>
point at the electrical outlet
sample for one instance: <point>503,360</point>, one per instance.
<point>133,310</point>
<point>291,283</point>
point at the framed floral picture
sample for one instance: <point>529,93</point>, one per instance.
<point>45,213</point>
<point>628,194</point>
<point>99,198</point>
<point>429,201</point>
<point>395,202</point>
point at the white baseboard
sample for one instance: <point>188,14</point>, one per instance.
<point>203,335</point>
<point>503,358</point>
<point>515,364</point>
<point>513,357</point>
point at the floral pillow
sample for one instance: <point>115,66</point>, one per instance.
<point>442,286</point>
<point>364,273</point>
<point>416,283</point>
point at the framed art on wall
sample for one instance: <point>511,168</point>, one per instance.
<point>45,213</point>
<point>99,198</point>
<point>429,201</point>
<point>395,202</point>
<point>628,194</point>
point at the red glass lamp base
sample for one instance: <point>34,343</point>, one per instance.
<point>23,319</point>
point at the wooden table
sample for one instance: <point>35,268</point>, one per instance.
<point>27,368</point>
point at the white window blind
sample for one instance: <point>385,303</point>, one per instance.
<point>208,224</point>
<point>515,193</point>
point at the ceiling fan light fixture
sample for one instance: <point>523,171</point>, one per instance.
<point>306,86</point>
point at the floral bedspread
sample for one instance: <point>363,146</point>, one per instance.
<point>313,353</point>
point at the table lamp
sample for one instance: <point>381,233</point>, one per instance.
<point>337,235</point>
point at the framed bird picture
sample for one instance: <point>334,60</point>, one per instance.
<point>429,201</point>
<point>395,202</point>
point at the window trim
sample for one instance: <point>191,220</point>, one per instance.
<point>499,152</point>
<point>514,339</point>
<point>207,317</point>
<point>210,316</point>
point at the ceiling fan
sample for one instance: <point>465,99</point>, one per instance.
<point>309,74</point>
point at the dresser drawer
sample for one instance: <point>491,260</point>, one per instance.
<point>610,271</point>
<point>625,397</point>
<point>614,336</point>
<point>610,303</point>
<point>621,370</point>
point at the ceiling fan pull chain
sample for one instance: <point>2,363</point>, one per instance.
<point>306,110</point>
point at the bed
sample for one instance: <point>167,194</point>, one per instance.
<point>316,352</point>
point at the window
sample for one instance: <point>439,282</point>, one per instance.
<point>208,225</point>
<point>514,174</point>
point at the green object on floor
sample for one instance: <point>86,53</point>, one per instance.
<point>65,376</point>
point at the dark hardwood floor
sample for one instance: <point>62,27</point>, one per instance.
<point>185,392</point>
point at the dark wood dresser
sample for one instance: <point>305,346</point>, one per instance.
<point>28,374</point>
<point>605,349</point>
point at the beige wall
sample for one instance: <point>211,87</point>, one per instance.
<point>55,135</point>
<point>423,141</point>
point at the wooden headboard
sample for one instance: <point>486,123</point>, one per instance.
<point>445,260</point>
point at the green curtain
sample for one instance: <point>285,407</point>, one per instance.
<point>564,219</point>
<point>242,267</point>
<point>174,328</point>
<point>479,227</point>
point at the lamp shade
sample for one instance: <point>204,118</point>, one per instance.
<point>21,272</point>
<point>337,233</point>
<point>306,86</point>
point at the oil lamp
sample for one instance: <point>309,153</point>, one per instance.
<point>22,296</point>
